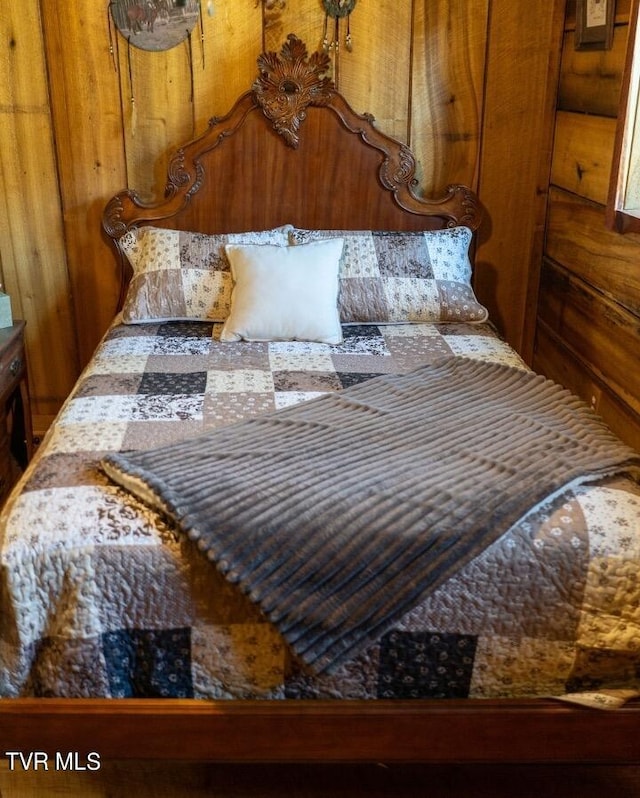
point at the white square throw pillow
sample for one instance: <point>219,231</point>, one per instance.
<point>284,293</point>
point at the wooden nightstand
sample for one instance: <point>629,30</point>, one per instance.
<point>16,435</point>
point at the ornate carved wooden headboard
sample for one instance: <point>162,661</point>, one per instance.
<point>292,150</point>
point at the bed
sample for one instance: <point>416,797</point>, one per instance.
<point>118,634</point>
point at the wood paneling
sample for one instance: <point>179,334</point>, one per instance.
<point>521,80</point>
<point>601,333</point>
<point>304,19</point>
<point>578,238</point>
<point>85,103</point>
<point>590,81</point>
<point>558,362</point>
<point>582,154</point>
<point>232,36</point>
<point>448,91</point>
<point>382,41</point>
<point>588,333</point>
<point>157,111</point>
<point>32,244</point>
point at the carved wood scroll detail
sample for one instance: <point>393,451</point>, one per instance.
<point>399,170</point>
<point>288,83</point>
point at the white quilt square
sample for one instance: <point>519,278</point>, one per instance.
<point>240,381</point>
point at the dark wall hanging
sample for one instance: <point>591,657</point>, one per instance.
<point>337,10</point>
<point>155,24</point>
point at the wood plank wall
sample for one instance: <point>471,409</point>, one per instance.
<point>588,323</point>
<point>464,82</point>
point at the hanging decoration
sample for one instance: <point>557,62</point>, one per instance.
<point>155,25</point>
<point>288,83</point>
<point>337,10</point>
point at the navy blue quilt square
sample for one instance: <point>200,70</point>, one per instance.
<point>173,384</point>
<point>360,331</point>
<point>425,665</point>
<point>186,329</point>
<point>149,663</point>
<point>349,378</point>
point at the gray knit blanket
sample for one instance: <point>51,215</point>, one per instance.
<point>338,515</point>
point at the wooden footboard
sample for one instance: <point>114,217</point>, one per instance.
<point>441,731</point>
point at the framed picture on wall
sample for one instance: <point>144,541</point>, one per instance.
<point>594,24</point>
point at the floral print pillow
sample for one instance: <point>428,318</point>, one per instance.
<point>180,275</point>
<point>392,277</point>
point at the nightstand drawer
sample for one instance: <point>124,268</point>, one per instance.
<point>12,366</point>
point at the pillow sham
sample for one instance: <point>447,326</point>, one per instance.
<point>392,277</point>
<point>180,275</point>
<point>284,294</point>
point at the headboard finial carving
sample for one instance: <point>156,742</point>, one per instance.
<point>290,82</point>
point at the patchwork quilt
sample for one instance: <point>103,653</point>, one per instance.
<point>101,596</point>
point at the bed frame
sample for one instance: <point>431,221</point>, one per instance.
<point>292,150</point>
